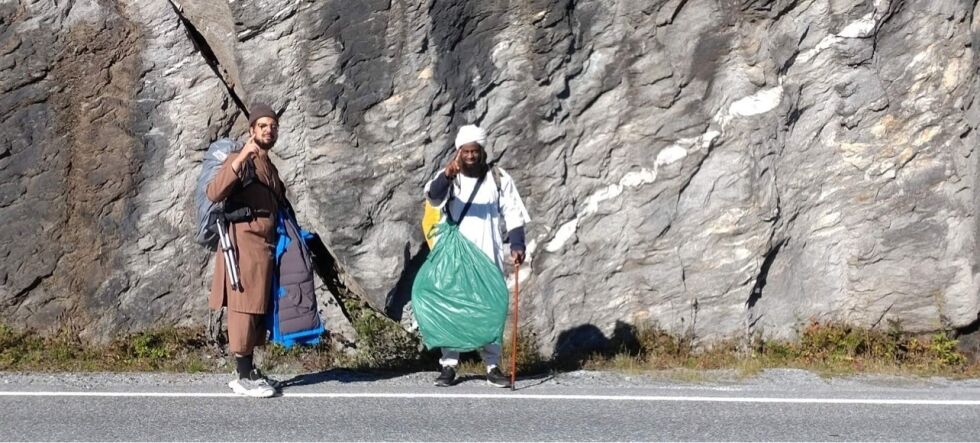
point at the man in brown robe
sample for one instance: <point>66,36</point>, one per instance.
<point>248,178</point>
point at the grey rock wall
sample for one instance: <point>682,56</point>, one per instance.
<point>721,168</point>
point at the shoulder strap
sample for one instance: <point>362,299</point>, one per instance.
<point>496,176</point>
<point>282,200</point>
<point>250,166</point>
<point>469,202</point>
<point>496,180</point>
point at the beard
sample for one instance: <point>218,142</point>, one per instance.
<point>266,145</point>
<point>473,169</point>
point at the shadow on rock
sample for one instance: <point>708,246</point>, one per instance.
<point>402,293</point>
<point>577,345</point>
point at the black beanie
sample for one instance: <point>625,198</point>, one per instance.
<point>259,110</point>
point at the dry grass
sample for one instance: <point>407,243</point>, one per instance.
<point>276,358</point>
<point>528,359</point>
<point>170,350</point>
<point>828,349</point>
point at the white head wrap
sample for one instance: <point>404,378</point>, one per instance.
<point>471,134</point>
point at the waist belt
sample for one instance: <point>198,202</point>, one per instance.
<point>245,214</point>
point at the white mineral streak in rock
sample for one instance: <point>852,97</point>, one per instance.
<point>671,154</point>
<point>565,232</point>
<point>759,103</point>
<point>285,11</point>
<point>860,28</point>
<point>607,193</point>
<point>644,176</point>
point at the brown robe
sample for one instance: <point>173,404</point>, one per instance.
<point>253,239</point>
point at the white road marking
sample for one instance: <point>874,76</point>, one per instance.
<point>516,396</point>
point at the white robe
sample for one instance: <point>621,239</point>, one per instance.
<point>482,223</point>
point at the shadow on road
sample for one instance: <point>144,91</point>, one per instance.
<point>535,381</point>
<point>339,375</point>
<point>523,382</point>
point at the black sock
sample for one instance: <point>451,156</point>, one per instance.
<point>244,365</point>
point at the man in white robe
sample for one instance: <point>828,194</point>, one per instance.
<point>493,204</point>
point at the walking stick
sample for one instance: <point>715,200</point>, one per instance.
<point>513,345</point>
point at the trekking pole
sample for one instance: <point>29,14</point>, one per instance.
<point>228,251</point>
<point>513,344</point>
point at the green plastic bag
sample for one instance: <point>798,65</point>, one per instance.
<point>459,296</point>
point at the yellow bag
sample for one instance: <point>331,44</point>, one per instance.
<point>429,220</point>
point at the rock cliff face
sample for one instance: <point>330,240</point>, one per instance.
<point>721,168</point>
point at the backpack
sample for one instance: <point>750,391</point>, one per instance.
<point>431,214</point>
<point>206,209</point>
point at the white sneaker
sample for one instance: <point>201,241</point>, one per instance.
<point>258,375</point>
<point>252,388</point>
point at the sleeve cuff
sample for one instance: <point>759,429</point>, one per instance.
<point>517,239</point>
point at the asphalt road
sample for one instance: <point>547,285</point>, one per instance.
<point>779,405</point>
